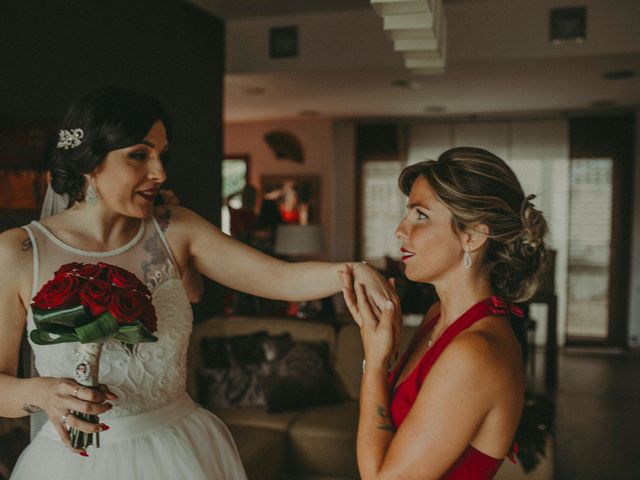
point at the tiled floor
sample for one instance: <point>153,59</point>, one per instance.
<point>597,416</point>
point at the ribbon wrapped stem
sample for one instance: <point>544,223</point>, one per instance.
<point>86,373</point>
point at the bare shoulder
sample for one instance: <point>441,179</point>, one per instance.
<point>16,258</point>
<point>487,355</point>
<point>15,248</point>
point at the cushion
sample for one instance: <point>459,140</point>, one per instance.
<point>300,376</point>
<point>228,376</point>
<point>262,370</point>
<point>229,326</point>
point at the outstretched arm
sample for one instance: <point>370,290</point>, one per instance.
<point>243,268</point>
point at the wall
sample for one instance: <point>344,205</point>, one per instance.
<point>316,137</point>
<point>54,51</point>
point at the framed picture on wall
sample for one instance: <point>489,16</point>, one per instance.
<point>298,197</point>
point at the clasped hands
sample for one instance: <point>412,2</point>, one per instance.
<point>375,307</point>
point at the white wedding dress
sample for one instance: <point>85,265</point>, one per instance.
<point>156,431</point>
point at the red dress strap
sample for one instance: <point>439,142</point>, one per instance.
<point>472,464</point>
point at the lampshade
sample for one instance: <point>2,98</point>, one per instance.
<point>297,240</point>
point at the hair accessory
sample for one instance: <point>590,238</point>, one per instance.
<point>70,138</point>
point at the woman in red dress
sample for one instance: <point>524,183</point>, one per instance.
<point>451,406</point>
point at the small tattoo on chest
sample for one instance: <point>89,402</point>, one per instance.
<point>26,245</point>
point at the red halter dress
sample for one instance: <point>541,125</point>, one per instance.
<point>472,464</point>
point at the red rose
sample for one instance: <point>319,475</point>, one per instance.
<point>127,306</point>
<point>148,317</point>
<point>61,292</point>
<point>69,267</point>
<point>95,296</point>
<point>125,279</point>
<point>93,271</point>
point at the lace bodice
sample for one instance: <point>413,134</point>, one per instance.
<point>151,374</point>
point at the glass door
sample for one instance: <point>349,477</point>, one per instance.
<point>590,215</point>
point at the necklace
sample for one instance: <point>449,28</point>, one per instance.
<point>432,338</point>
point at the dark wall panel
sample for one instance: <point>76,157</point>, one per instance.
<point>53,51</point>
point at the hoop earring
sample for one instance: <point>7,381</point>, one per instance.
<point>91,195</point>
<point>467,260</point>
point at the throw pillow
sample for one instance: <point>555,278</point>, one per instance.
<point>301,377</point>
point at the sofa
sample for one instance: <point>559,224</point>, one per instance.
<point>310,443</point>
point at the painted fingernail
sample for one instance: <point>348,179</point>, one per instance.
<point>83,454</point>
<point>388,305</point>
<point>104,427</point>
<point>109,406</point>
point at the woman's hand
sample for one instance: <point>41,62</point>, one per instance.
<point>378,290</point>
<point>61,396</point>
<point>380,329</point>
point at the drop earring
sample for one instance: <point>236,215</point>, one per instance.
<point>467,259</point>
<point>91,195</point>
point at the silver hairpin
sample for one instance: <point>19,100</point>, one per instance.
<point>70,138</point>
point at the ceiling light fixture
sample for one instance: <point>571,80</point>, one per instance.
<point>418,30</point>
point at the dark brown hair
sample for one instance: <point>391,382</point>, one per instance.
<point>110,118</point>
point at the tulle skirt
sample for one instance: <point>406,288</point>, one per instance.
<point>178,441</point>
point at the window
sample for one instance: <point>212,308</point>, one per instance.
<point>235,173</point>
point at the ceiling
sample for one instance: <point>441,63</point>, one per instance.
<point>239,9</point>
<point>500,61</point>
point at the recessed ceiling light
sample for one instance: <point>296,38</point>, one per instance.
<point>603,103</point>
<point>308,113</point>
<point>620,74</point>
<point>409,84</point>
<point>435,109</point>
<point>253,90</point>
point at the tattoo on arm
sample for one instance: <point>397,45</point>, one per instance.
<point>384,420</point>
<point>26,245</point>
<point>31,409</point>
<point>163,215</point>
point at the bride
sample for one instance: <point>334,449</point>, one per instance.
<point>110,163</point>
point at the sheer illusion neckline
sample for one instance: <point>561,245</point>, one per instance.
<point>88,253</point>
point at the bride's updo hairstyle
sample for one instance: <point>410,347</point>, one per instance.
<point>109,119</point>
<point>478,187</point>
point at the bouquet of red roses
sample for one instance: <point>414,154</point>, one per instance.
<point>90,304</point>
